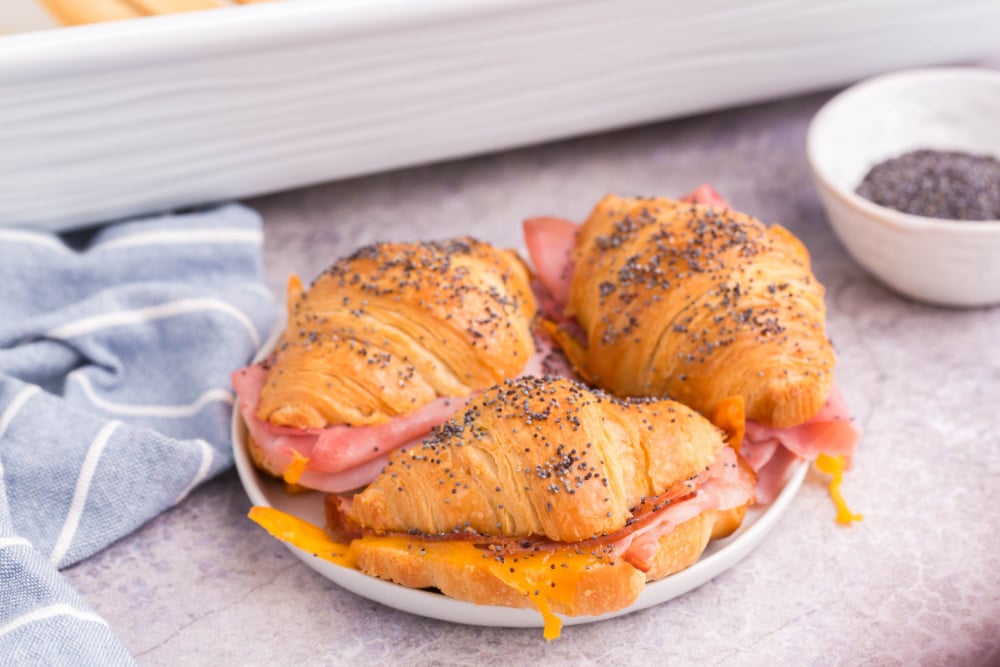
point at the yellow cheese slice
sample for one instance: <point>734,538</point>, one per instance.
<point>543,576</point>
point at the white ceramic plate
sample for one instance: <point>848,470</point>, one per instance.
<point>946,108</point>
<point>718,557</point>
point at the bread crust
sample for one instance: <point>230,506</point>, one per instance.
<point>395,326</point>
<point>700,304</point>
<point>259,458</point>
<point>602,586</point>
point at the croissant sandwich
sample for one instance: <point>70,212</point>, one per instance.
<point>697,302</point>
<point>384,345</point>
<point>542,494</point>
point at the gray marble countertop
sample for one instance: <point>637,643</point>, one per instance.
<point>917,582</point>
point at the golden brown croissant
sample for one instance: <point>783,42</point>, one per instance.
<point>395,326</point>
<point>699,304</point>
<point>386,344</point>
<point>547,494</point>
<point>536,458</point>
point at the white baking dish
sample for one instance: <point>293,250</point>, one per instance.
<point>104,121</point>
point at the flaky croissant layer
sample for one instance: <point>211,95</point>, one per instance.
<point>534,457</point>
<point>395,326</point>
<point>700,304</point>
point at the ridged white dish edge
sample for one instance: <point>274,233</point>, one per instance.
<point>106,121</point>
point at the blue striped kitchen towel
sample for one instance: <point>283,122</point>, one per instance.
<point>114,401</point>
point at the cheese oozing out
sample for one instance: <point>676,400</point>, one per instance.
<point>542,576</point>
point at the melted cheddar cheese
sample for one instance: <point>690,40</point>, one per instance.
<point>302,534</point>
<point>834,466</point>
<point>295,469</point>
<point>543,577</point>
<point>730,416</point>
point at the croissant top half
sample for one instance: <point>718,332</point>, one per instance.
<point>396,326</point>
<point>539,457</point>
<point>700,304</point>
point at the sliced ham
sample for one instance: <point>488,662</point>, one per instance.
<point>550,243</point>
<point>348,480</point>
<point>773,475</point>
<point>829,432</point>
<point>336,453</point>
<point>725,485</point>
<point>706,194</point>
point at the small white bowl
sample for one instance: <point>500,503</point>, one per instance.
<point>944,262</point>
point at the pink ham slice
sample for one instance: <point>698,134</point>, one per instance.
<point>829,432</point>
<point>550,244</point>
<point>343,458</point>
<point>348,480</point>
<point>705,194</point>
<point>335,452</point>
<point>771,452</point>
<point>726,485</point>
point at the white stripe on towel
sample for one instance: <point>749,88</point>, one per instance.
<point>203,468</point>
<point>150,313</point>
<point>17,235</point>
<point>178,236</point>
<point>186,410</point>
<point>13,542</point>
<point>79,502</point>
<point>15,405</point>
<point>42,613</point>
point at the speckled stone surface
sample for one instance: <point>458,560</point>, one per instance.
<point>918,582</point>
